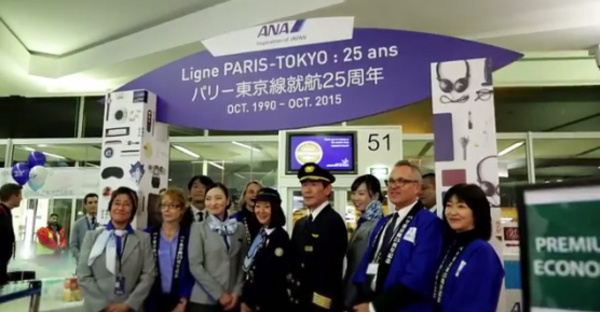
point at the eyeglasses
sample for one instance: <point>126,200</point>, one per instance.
<point>399,182</point>
<point>170,206</point>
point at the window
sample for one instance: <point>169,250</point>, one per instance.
<point>54,117</point>
<point>232,163</point>
<point>558,160</point>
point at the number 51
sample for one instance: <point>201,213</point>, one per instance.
<point>375,142</point>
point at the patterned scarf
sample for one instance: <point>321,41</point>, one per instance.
<point>223,228</point>
<point>372,212</point>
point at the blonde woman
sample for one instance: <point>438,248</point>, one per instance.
<point>246,215</point>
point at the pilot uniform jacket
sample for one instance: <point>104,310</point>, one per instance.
<point>265,288</point>
<point>98,284</point>
<point>216,269</point>
<point>408,284</point>
<point>356,249</point>
<point>318,250</point>
<point>473,280</point>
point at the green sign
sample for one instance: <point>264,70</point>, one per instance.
<point>562,248</point>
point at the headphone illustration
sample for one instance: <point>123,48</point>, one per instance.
<point>460,85</point>
<point>488,188</point>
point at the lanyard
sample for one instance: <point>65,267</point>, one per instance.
<point>397,233</point>
<point>178,254</point>
<point>442,273</point>
<point>121,243</point>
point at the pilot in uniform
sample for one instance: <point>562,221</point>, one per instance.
<point>318,245</point>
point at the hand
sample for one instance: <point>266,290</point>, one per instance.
<point>245,308</point>
<point>181,306</point>
<point>234,302</point>
<point>117,307</point>
<point>225,300</point>
<point>363,307</point>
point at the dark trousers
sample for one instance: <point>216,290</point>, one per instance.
<point>197,307</point>
<point>166,302</point>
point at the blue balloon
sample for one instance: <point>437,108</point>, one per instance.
<point>36,158</point>
<point>20,173</point>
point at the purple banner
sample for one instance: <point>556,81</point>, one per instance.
<point>376,71</point>
<point>335,152</point>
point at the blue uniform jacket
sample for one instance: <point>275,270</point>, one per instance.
<point>415,262</point>
<point>474,281</point>
<point>186,280</point>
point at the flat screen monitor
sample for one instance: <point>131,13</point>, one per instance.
<point>334,151</point>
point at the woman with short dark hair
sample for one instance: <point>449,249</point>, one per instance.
<point>116,268</point>
<point>266,263</point>
<point>470,276</point>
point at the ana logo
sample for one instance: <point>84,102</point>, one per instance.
<point>281,28</point>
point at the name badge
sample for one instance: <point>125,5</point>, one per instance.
<point>308,248</point>
<point>120,286</point>
<point>372,268</point>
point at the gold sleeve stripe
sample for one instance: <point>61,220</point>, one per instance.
<point>321,301</point>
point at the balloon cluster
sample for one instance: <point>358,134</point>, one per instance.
<point>33,172</point>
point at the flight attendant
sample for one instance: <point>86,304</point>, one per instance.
<point>367,198</point>
<point>398,270</point>
<point>470,276</point>
<point>173,285</point>
<point>116,269</point>
<point>216,252</point>
<point>319,243</point>
<point>266,263</point>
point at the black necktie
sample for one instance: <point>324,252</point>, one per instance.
<point>200,216</point>
<point>93,222</point>
<point>389,232</point>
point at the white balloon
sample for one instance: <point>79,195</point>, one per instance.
<point>38,175</point>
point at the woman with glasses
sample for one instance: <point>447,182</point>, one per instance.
<point>216,251</point>
<point>266,263</point>
<point>173,285</point>
<point>116,269</point>
<point>367,198</point>
<point>470,276</point>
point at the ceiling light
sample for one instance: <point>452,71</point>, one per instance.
<point>42,145</point>
<point>239,176</point>
<point>246,146</point>
<point>511,148</point>
<point>185,151</point>
<point>214,164</point>
<point>45,153</point>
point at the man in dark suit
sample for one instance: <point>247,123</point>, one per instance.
<point>10,197</point>
<point>319,243</point>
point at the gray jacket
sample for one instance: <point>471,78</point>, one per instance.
<point>217,271</point>
<point>78,231</point>
<point>98,284</point>
<point>356,249</point>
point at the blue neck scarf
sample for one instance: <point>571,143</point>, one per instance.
<point>224,228</point>
<point>257,243</point>
<point>107,240</point>
<point>373,211</point>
